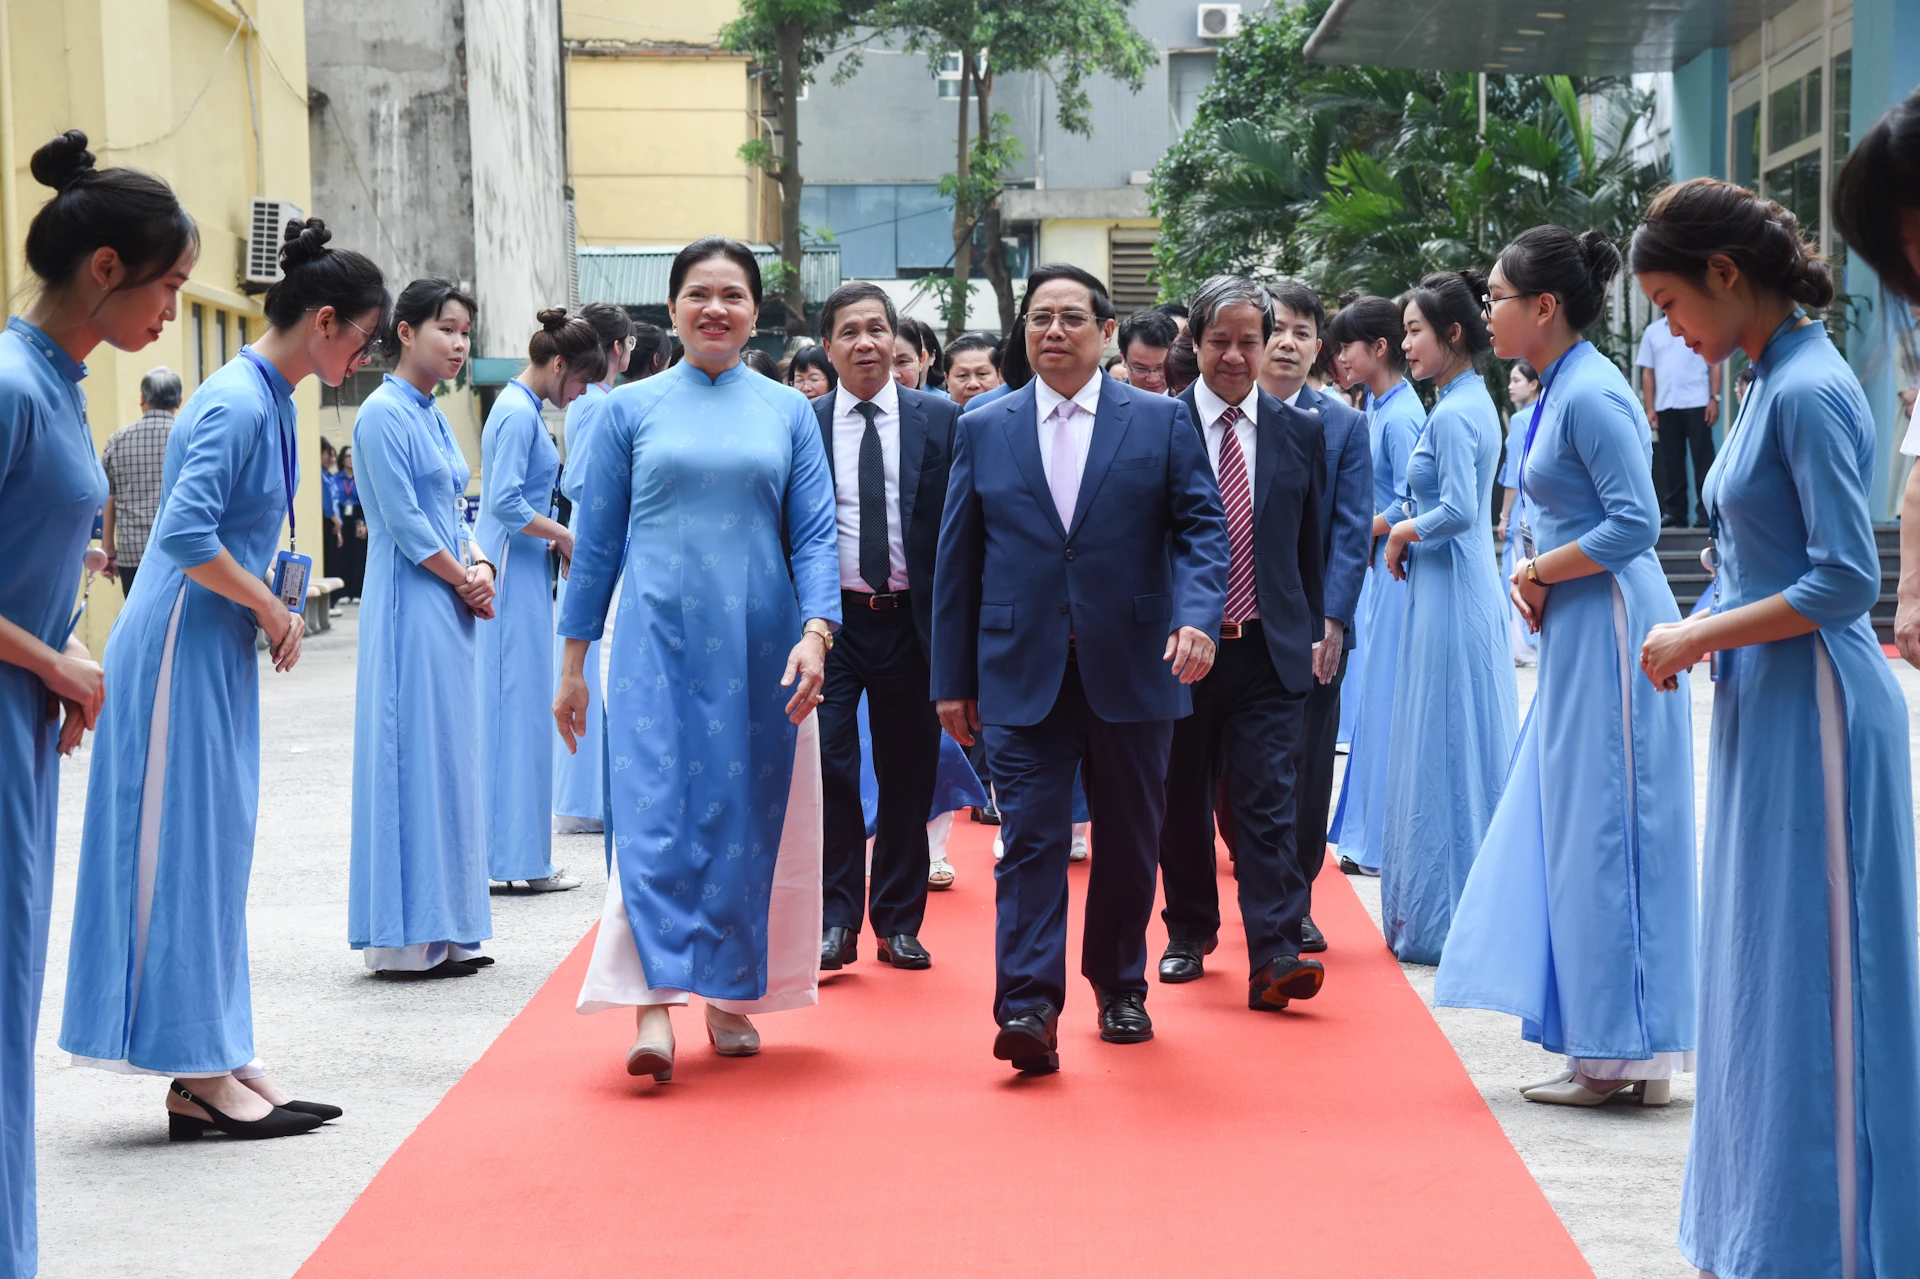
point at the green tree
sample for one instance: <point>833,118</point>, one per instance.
<point>791,38</point>
<point>1066,40</point>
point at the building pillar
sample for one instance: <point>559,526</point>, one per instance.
<point>1700,117</point>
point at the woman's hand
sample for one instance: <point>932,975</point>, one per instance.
<point>1500,530</point>
<point>563,543</point>
<point>808,663</point>
<point>477,592</point>
<point>1398,540</point>
<point>74,677</point>
<point>285,629</point>
<point>1529,596</point>
<point>570,709</point>
<point>71,728</point>
<point>1670,647</point>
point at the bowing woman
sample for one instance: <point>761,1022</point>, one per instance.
<point>1455,703</point>
<point>417,882</point>
<point>578,792</point>
<point>518,469</point>
<point>110,251</point>
<point>1578,916</point>
<point>697,478</point>
<point>1368,333</point>
<point>157,978</point>
<point>1809,1000</point>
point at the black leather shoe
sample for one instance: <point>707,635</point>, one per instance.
<point>1287,978</point>
<point>1123,1017</point>
<point>838,948</point>
<point>1312,940</point>
<point>988,816</point>
<point>1031,1041</point>
<point>902,950</point>
<point>445,968</point>
<point>1181,961</point>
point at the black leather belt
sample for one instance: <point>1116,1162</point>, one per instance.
<point>878,603</point>
<point>1238,630</point>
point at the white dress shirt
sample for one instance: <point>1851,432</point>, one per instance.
<point>1681,379</point>
<point>1211,407</point>
<point>849,428</point>
<point>1045,401</point>
<point>1293,401</point>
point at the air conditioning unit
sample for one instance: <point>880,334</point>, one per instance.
<point>266,228</point>
<point>1219,21</point>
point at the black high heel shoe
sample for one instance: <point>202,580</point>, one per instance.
<point>280,1122</point>
<point>318,1108</point>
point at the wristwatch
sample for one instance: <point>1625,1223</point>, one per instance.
<point>1533,572</point>
<point>820,628</point>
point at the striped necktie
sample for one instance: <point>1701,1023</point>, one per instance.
<point>1243,593</point>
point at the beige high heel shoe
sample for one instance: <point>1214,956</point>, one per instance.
<point>1646,1092</point>
<point>725,1033</point>
<point>652,1051</point>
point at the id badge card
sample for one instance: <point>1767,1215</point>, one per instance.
<point>291,570</point>
<point>1525,533</point>
<point>1713,666</point>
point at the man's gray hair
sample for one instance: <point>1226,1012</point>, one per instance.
<point>160,388</point>
<point>1218,293</point>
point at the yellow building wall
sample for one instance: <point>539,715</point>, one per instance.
<point>656,116</point>
<point>1086,242</point>
<point>161,85</point>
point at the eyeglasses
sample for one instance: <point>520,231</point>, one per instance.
<point>366,347</point>
<point>1488,301</point>
<point>1069,321</point>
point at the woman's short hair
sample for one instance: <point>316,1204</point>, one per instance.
<point>1705,217</point>
<point>714,246</point>
<point>812,356</point>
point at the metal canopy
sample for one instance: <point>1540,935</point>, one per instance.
<point>1533,37</point>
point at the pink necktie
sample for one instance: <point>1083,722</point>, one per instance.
<point>1243,593</point>
<point>1064,483</point>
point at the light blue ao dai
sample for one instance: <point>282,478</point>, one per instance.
<point>579,792</point>
<point>1455,705</point>
<point>1578,916</point>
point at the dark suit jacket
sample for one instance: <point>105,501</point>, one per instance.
<point>1289,477</point>
<point>1146,555</point>
<point>1346,510</point>
<point>926,451</point>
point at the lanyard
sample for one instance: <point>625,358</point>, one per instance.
<point>1540,409</point>
<point>288,438</point>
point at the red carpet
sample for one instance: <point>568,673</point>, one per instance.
<point>876,1136</point>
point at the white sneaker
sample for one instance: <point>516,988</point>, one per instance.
<point>1080,849</point>
<point>999,848</point>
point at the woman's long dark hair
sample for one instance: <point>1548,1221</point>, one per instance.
<point>1705,217</point>
<point>1880,180</point>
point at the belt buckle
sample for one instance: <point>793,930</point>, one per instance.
<point>873,601</point>
<point>1229,630</point>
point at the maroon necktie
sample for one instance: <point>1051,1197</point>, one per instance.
<point>1243,594</point>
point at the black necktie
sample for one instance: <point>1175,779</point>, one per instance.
<point>875,562</point>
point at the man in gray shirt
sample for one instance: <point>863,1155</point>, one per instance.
<point>133,460</point>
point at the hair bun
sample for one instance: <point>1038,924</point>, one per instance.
<point>1475,280</point>
<point>1603,259</point>
<point>552,318</point>
<point>63,161</point>
<point>303,242</point>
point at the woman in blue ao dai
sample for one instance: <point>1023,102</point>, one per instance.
<point>1805,1157</point>
<point>1368,333</point>
<point>1578,916</point>
<point>519,467</point>
<point>417,879</point>
<point>157,976</point>
<point>109,252</point>
<point>696,479</point>
<point>1523,388</point>
<point>1456,704</point>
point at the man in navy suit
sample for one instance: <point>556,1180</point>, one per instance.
<point>1346,534</point>
<point>888,449</point>
<point>1249,712</point>
<point>1078,591</point>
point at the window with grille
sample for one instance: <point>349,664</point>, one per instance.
<point>1132,269</point>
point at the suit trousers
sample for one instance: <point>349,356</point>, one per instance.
<point>1313,766</point>
<point>877,653</point>
<point>1681,431</point>
<point>1123,768</point>
<point>1245,729</point>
